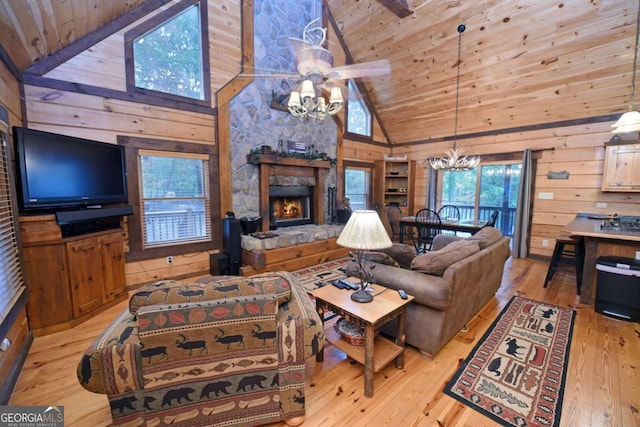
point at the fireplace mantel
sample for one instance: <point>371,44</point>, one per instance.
<point>289,161</point>
<point>271,165</point>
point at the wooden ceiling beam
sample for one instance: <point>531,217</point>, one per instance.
<point>399,7</point>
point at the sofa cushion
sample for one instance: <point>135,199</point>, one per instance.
<point>381,258</point>
<point>403,254</point>
<point>486,237</point>
<point>436,262</point>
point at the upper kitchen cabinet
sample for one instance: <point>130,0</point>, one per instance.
<point>621,167</point>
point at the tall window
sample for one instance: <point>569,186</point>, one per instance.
<point>11,280</point>
<point>358,114</point>
<point>169,57</point>
<point>174,198</point>
<point>478,192</point>
<point>357,184</point>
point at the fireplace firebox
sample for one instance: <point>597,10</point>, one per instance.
<point>290,205</point>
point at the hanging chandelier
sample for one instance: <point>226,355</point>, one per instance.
<point>455,159</point>
<point>306,104</point>
<point>630,121</point>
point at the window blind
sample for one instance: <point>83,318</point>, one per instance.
<point>11,281</point>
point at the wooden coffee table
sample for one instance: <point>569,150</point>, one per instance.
<point>377,351</point>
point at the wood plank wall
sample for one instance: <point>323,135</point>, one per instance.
<point>103,119</point>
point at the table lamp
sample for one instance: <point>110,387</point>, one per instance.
<point>364,232</point>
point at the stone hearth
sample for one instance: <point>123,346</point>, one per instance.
<point>290,236</point>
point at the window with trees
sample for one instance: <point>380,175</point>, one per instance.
<point>358,115</point>
<point>174,198</point>
<point>478,192</point>
<point>357,185</point>
<point>174,187</point>
<point>169,53</point>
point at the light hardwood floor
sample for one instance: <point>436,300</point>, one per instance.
<point>603,381</point>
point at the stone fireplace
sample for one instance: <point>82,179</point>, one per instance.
<point>291,190</point>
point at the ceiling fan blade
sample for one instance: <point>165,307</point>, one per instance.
<point>364,69</point>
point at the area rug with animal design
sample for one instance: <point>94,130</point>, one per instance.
<point>516,373</point>
<point>322,274</point>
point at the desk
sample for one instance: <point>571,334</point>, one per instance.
<point>463,226</point>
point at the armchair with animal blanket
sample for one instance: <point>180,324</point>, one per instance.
<point>230,351</point>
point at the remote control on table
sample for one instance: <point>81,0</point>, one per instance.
<point>402,293</point>
<point>346,284</point>
<point>338,284</point>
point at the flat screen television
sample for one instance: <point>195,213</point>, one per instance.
<point>63,172</point>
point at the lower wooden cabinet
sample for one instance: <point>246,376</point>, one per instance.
<point>70,279</point>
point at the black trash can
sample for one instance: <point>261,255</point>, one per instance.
<point>618,288</point>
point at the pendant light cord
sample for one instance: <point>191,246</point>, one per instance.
<point>635,61</point>
<point>461,29</point>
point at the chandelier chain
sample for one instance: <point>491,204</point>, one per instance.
<point>635,60</point>
<point>455,121</point>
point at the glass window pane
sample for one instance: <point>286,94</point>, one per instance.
<point>357,187</point>
<point>358,115</point>
<point>169,58</point>
<point>459,189</point>
<point>175,199</point>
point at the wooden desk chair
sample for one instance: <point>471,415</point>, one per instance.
<point>428,226</point>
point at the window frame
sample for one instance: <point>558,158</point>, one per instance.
<point>137,251</point>
<point>370,168</point>
<point>349,134</point>
<point>153,23</point>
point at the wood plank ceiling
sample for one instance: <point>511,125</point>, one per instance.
<point>523,63</point>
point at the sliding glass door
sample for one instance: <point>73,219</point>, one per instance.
<point>479,192</point>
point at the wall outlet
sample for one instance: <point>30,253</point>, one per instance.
<point>169,260</point>
<point>545,242</point>
<point>601,205</point>
<point>545,196</point>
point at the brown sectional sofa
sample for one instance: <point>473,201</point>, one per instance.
<point>450,284</point>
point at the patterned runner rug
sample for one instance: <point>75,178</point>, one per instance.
<point>516,373</point>
<point>319,275</point>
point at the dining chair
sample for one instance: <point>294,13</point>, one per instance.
<point>428,226</point>
<point>394,213</point>
<point>493,218</point>
<point>449,212</point>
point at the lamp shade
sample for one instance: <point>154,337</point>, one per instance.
<point>307,90</point>
<point>364,231</point>
<point>628,122</point>
<point>294,99</point>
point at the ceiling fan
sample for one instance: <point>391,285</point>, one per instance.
<point>314,64</point>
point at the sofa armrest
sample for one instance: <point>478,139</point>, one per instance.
<point>428,290</point>
<point>299,319</point>
<point>110,364</point>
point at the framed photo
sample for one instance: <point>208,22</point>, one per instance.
<point>296,147</point>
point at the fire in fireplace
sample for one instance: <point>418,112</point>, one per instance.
<point>290,205</point>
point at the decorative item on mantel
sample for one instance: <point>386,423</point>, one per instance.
<point>455,160</point>
<point>297,150</point>
<point>630,121</point>
<point>364,232</point>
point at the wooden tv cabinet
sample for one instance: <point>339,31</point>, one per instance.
<point>70,278</point>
